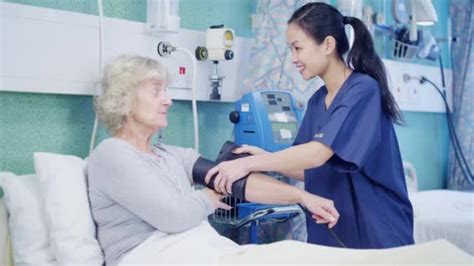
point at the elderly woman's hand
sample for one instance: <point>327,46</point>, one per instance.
<point>227,173</point>
<point>323,209</point>
<point>216,199</point>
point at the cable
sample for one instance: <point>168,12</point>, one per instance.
<point>454,139</point>
<point>333,233</point>
<point>101,54</point>
<point>441,68</point>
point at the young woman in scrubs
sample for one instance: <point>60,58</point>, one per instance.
<point>346,149</point>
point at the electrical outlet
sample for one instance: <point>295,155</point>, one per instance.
<point>181,77</point>
<point>412,95</point>
<point>400,94</point>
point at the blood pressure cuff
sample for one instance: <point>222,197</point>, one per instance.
<point>203,165</point>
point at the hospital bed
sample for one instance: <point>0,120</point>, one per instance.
<point>292,252</point>
<point>441,214</point>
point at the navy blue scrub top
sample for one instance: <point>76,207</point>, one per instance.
<point>364,177</point>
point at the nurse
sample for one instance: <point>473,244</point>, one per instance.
<point>346,149</point>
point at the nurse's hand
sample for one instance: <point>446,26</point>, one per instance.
<point>216,199</point>
<point>323,209</point>
<point>227,173</point>
<point>249,149</point>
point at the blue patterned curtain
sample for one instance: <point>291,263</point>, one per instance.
<point>462,14</point>
<point>271,66</point>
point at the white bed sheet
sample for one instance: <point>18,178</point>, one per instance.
<point>444,214</point>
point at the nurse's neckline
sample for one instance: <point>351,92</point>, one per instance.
<point>328,106</point>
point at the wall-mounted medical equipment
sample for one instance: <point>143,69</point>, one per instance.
<point>419,12</point>
<point>266,119</point>
<point>163,15</point>
<point>413,13</point>
<point>408,40</point>
<point>219,41</point>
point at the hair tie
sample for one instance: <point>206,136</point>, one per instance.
<point>345,20</point>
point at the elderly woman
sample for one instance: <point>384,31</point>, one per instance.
<point>137,188</point>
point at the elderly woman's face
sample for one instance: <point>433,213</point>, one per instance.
<point>151,104</point>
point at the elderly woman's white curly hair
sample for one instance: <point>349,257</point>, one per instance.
<point>119,83</point>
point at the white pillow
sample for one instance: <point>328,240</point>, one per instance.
<point>27,224</point>
<point>68,216</point>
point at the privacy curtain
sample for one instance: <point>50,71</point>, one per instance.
<point>462,15</point>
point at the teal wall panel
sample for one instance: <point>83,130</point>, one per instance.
<point>195,14</point>
<point>63,123</point>
<point>235,14</point>
<point>42,122</point>
<point>122,9</point>
<point>214,126</point>
<point>423,141</point>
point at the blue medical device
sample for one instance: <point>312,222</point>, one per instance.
<point>270,120</point>
<point>266,119</point>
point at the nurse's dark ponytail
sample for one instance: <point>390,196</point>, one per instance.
<point>320,20</point>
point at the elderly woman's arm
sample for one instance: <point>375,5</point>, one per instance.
<point>132,182</point>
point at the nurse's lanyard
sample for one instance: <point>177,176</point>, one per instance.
<point>334,235</point>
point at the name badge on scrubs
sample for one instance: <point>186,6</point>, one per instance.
<point>318,135</point>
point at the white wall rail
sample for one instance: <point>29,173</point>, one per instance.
<point>53,51</point>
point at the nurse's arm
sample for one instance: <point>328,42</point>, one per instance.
<point>267,190</point>
<point>300,157</point>
<point>295,174</point>
<point>287,161</point>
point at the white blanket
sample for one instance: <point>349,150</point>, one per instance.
<point>292,252</point>
<point>203,245</point>
<point>200,245</point>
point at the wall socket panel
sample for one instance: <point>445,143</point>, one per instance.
<point>180,77</point>
<point>411,95</point>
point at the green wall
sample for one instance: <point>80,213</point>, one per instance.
<point>63,123</point>
<point>424,142</point>
<point>200,14</point>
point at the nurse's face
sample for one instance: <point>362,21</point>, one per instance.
<point>308,56</point>
<point>151,103</point>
